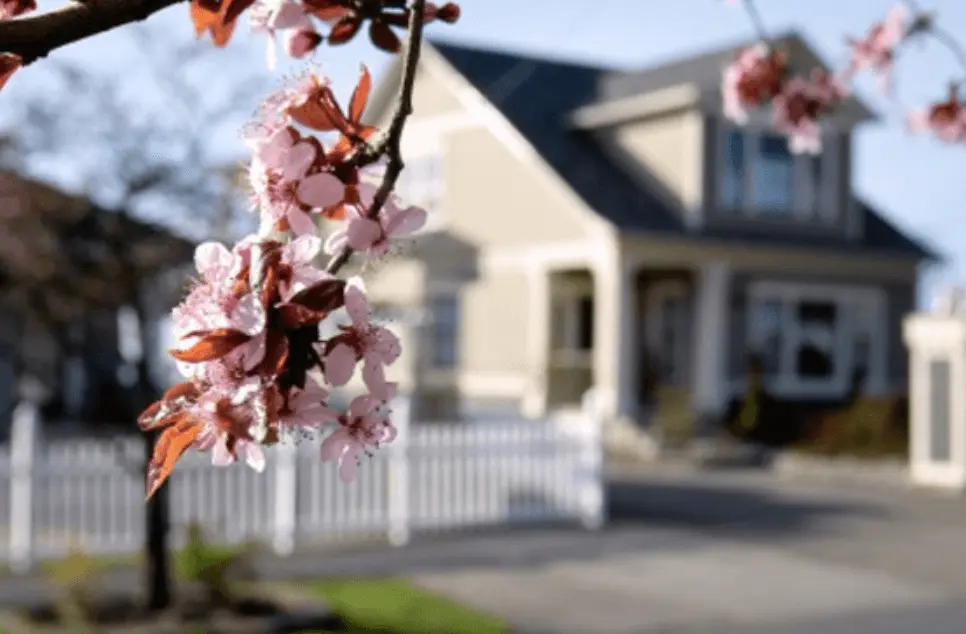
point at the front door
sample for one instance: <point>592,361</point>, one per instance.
<point>667,317</point>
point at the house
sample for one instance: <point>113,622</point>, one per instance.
<point>598,227</point>
<point>71,274</point>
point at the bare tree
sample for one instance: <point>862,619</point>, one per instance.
<point>150,160</point>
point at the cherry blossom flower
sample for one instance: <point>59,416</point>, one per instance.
<point>286,184</point>
<point>753,79</point>
<point>876,51</point>
<point>373,235</point>
<point>269,16</point>
<point>12,8</point>
<point>359,428</point>
<point>947,119</point>
<point>304,408</point>
<point>377,347</point>
<point>800,105</point>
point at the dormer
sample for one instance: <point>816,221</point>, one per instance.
<point>665,126</point>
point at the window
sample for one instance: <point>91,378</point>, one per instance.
<point>759,176</point>
<point>733,171</point>
<point>813,339</point>
<point>444,323</point>
<point>772,175</point>
<point>422,181</point>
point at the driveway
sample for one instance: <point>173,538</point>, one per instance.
<point>724,552</point>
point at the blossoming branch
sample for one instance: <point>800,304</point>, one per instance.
<point>759,76</point>
<point>257,370</point>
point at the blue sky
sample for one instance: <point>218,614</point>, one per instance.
<point>914,180</point>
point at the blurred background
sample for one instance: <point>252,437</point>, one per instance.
<point>659,374</point>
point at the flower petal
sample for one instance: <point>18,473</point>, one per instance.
<point>300,222</point>
<point>356,304</point>
<point>301,250</point>
<point>321,190</point>
<point>336,242</point>
<point>407,221</point>
<point>249,315</point>
<point>362,233</point>
<point>340,363</point>
<point>254,456</point>
<point>364,405</point>
<point>220,456</point>
<point>374,376</point>
<point>212,259</point>
<point>297,160</point>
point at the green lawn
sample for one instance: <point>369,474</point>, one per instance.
<point>392,606</point>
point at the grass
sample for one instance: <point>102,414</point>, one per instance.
<point>393,606</point>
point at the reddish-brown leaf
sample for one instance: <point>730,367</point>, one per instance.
<point>214,345</point>
<point>208,16</point>
<point>383,37</point>
<point>360,95</point>
<point>345,29</point>
<point>9,64</point>
<point>335,212</point>
<point>326,296</point>
<point>233,9</point>
<point>293,316</point>
<point>276,352</point>
<point>171,445</point>
<point>320,111</point>
<point>159,422</point>
<point>186,390</point>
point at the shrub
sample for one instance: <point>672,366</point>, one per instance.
<point>212,566</point>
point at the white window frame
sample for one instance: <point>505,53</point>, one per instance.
<point>846,299</point>
<point>655,326</point>
<point>825,207</point>
<point>428,195</point>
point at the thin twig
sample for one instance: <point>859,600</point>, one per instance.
<point>390,142</point>
<point>756,20</point>
<point>36,36</point>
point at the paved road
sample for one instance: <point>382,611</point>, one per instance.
<point>694,553</point>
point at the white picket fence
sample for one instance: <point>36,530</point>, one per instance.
<point>79,493</point>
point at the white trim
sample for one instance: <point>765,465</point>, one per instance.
<point>636,107</point>
<point>844,297</point>
<point>580,253</point>
<point>478,106</point>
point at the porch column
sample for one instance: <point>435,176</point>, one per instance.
<point>711,328</point>
<point>614,343</point>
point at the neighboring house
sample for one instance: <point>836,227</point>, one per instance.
<point>69,275</point>
<point>594,225</point>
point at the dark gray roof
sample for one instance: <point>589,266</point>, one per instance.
<point>537,95</point>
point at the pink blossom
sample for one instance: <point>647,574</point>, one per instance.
<point>877,50</point>
<point>12,8</point>
<point>306,408</point>
<point>754,78</point>
<point>947,119</point>
<point>284,188</point>
<point>301,41</point>
<point>377,347</point>
<point>800,105</point>
<point>300,255</point>
<point>360,428</point>
<point>269,16</point>
<point>373,235</point>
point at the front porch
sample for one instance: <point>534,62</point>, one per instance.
<point>691,329</point>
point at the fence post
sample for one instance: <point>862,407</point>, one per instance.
<point>591,473</point>
<point>285,511</point>
<point>401,413</point>
<point>24,439</point>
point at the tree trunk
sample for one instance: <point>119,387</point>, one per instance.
<point>156,519</point>
<point>156,523</point>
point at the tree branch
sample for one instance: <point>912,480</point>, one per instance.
<point>389,145</point>
<point>34,37</point>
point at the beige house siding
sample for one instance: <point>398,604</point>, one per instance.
<point>431,98</point>
<point>494,324</point>
<point>493,198</point>
<point>666,153</point>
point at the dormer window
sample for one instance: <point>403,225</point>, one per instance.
<point>760,177</point>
